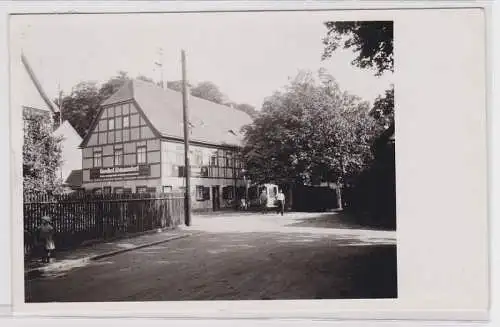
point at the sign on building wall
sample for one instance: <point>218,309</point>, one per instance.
<point>130,171</point>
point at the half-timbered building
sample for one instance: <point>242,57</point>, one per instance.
<point>136,144</point>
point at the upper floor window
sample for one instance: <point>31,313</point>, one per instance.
<point>141,155</point>
<point>213,160</point>
<point>141,189</point>
<point>118,157</point>
<point>97,159</point>
<point>126,122</point>
<point>111,123</point>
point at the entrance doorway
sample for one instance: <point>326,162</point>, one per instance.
<point>215,198</point>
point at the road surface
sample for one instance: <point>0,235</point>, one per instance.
<point>281,259</point>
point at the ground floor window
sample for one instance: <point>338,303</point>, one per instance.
<point>167,189</point>
<point>107,190</point>
<point>228,192</point>
<point>202,193</point>
<point>141,189</point>
<point>97,191</point>
<point>118,190</point>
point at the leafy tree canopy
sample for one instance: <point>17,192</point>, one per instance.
<point>371,41</point>
<point>208,91</point>
<point>41,156</point>
<point>310,132</point>
<point>383,108</point>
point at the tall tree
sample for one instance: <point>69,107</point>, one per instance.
<point>81,106</point>
<point>383,108</point>
<point>41,156</point>
<point>247,108</point>
<point>372,41</point>
<point>113,84</point>
<point>309,133</point>
<point>176,85</point>
<point>208,91</point>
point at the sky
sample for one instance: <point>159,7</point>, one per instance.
<point>248,55</point>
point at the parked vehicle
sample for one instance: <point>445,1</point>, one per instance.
<point>271,190</point>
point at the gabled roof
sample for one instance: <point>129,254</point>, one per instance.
<point>68,131</point>
<point>210,122</point>
<point>74,179</point>
<point>50,104</point>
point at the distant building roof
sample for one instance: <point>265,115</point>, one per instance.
<point>74,179</point>
<point>50,104</point>
<point>210,122</point>
<point>67,130</point>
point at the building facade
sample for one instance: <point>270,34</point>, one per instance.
<point>136,145</point>
<point>71,156</point>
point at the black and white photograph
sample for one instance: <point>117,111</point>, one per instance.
<point>207,156</point>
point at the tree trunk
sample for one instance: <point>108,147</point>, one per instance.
<point>339,195</point>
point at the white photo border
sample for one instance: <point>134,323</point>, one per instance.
<point>469,219</point>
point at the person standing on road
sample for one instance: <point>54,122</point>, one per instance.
<point>281,202</point>
<point>46,237</point>
<point>263,201</point>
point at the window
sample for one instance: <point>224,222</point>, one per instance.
<point>213,160</point>
<point>126,122</point>
<point>126,134</point>
<point>179,158</point>
<point>118,190</point>
<point>167,189</point>
<point>118,157</point>
<point>97,191</point>
<point>97,159</point>
<point>141,155</point>
<point>107,190</point>
<point>222,159</point>
<point>227,193</point>
<point>103,138</point>
<point>204,171</point>
<point>202,193</point>
<point>141,189</point>
<point>199,192</point>
<point>198,158</point>
<point>111,124</point>
<point>111,137</point>
<point>118,122</point>
<point>229,159</point>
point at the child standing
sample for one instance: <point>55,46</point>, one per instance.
<point>46,237</point>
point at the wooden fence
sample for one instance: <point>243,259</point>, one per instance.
<point>82,217</point>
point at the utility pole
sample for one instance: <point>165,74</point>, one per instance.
<point>187,168</point>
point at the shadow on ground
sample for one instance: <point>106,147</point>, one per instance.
<point>336,220</point>
<point>231,266</point>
